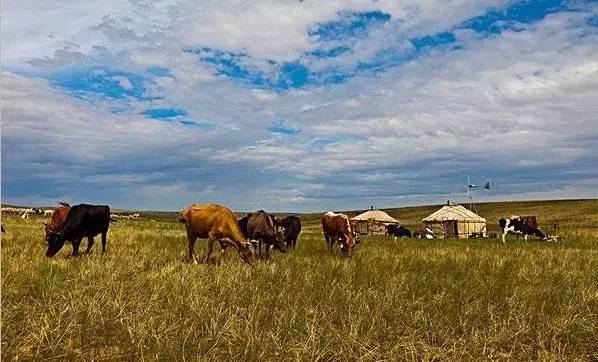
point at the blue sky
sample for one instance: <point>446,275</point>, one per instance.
<point>298,105</point>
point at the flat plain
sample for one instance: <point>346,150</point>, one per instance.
<point>393,300</point>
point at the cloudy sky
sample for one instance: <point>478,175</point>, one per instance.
<point>297,105</point>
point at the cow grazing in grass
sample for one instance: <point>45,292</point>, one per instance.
<point>58,219</point>
<point>337,230</point>
<point>397,231</point>
<point>291,229</point>
<point>81,221</point>
<point>215,223</point>
<point>262,227</point>
<point>518,226</point>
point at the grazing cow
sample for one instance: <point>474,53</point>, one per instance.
<point>58,219</point>
<point>48,212</point>
<point>215,223</point>
<point>518,226</point>
<point>337,230</point>
<point>397,231</point>
<point>81,221</point>
<point>291,229</point>
<point>262,227</point>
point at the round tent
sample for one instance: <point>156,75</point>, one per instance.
<point>372,222</point>
<point>455,221</point>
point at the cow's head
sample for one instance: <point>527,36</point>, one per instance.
<point>539,233</point>
<point>55,243</point>
<point>247,251</point>
<point>348,244</point>
<point>48,230</point>
<point>279,241</point>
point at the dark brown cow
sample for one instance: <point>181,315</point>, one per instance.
<point>337,230</point>
<point>263,228</point>
<point>215,223</point>
<point>58,219</point>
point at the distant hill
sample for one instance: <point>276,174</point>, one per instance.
<point>565,211</point>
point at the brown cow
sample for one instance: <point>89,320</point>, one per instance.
<point>215,223</point>
<point>337,230</point>
<point>58,219</point>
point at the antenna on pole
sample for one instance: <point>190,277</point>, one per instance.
<point>470,189</point>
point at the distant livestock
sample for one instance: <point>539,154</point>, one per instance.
<point>337,230</point>
<point>215,223</point>
<point>397,231</point>
<point>26,213</point>
<point>58,219</point>
<point>518,226</point>
<point>262,227</point>
<point>291,226</point>
<point>48,212</point>
<point>81,221</point>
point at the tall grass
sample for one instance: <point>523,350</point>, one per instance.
<point>410,299</point>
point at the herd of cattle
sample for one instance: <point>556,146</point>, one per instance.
<point>249,235</point>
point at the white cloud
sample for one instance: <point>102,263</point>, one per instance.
<point>499,107</point>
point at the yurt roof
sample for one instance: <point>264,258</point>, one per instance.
<point>377,215</point>
<point>454,212</point>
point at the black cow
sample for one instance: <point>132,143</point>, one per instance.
<point>397,231</point>
<point>262,227</point>
<point>291,229</point>
<point>81,221</point>
<point>518,226</point>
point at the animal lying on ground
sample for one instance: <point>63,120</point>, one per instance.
<point>291,229</point>
<point>81,221</point>
<point>215,223</point>
<point>337,230</point>
<point>397,231</point>
<point>518,226</point>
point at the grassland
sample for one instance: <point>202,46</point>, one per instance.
<point>410,299</point>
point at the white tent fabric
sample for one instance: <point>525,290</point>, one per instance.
<point>454,212</point>
<point>376,215</point>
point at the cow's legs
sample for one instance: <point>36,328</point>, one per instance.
<point>504,233</point>
<point>76,244</point>
<point>103,242</point>
<point>210,249</point>
<point>223,246</point>
<point>89,244</point>
<point>328,242</point>
<point>525,237</point>
<point>191,237</point>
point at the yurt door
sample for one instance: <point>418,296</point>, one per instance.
<point>450,229</point>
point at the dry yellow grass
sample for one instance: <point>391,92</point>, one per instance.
<point>411,299</point>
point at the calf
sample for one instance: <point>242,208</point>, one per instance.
<point>518,226</point>
<point>337,230</point>
<point>81,221</point>
<point>215,223</point>
<point>291,229</point>
<point>397,231</point>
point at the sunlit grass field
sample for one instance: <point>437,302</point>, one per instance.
<point>403,300</point>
